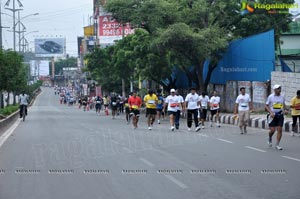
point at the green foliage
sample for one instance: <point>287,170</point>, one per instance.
<point>177,33</point>
<point>63,63</point>
<point>8,110</point>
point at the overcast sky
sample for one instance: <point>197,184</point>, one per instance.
<point>57,18</point>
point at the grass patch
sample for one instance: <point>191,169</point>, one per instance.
<point>9,110</point>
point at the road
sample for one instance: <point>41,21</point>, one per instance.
<point>62,152</point>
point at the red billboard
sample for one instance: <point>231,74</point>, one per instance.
<point>111,30</point>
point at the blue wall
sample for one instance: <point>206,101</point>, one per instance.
<point>248,59</point>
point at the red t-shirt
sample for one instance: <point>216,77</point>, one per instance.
<point>135,102</point>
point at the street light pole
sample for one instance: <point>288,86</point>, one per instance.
<point>1,27</point>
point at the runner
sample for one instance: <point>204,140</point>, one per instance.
<point>114,105</point>
<point>243,106</point>
<point>295,106</point>
<point>275,105</point>
<point>180,110</point>
<point>173,103</point>
<point>127,109</point>
<point>191,103</point>
<point>150,101</point>
<point>204,103</point>
<point>214,108</point>
<point>106,104</point>
<point>135,103</point>
<point>98,103</point>
<point>159,107</point>
<point>23,102</point>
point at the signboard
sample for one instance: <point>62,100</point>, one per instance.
<point>110,30</point>
<point>39,68</point>
<point>50,47</point>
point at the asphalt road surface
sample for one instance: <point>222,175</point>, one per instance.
<point>63,152</point>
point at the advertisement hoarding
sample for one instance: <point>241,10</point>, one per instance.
<point>50,47</point>
<point>39,68</point>
<point>110,30</point>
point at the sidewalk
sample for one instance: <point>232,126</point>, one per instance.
<point>256,121</point>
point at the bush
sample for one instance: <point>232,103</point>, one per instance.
<point>9,110</point>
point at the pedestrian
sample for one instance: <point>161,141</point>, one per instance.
<point>275,105</point>
<point>135,103</point>
<point>214,108</point>
<point>295,106</point>
<point>204,103</point>
<point>23,102</point>
<point>191,103</point>
<point>150,101</point>
<point>180,110</point>
<point>159,107</point>
<point>173,103</point>
<point>114,105</point>
<point>243,106</point>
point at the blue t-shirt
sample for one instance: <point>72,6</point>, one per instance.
<point>160,102</point>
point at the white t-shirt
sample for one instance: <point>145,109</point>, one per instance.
<point>215,102</point>
<point>204,101</point>
<point>276,103</point>
<point>192,101</point>
<point>173,103</point>
<point>243,101</point>
<point>23,99</point>
<point>181,101</point>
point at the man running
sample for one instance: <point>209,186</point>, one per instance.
<point>173,103</point>
<point>150,101</point>
<point>214,108</point>
<point>114,105</point>
<point>243,105</point>
<point>98,101</point>
<point>159,107</point>
<point>275,105</point>
<point>106,103</point>
<point>135,103</point>
<point>204,103</point>
<point>127,109</point>
<point>295,106</point>
<point>191,103</point>
<point>180,110</point>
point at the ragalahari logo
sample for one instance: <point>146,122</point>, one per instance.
<point>271,8</point>
<point>246,7</point>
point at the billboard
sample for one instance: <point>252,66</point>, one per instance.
<point>50,47</point>
<point>110,30</point>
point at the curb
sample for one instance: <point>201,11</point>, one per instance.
<point>256,122</point>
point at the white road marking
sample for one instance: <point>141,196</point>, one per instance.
<point>203,135</point>
<point>225,140</point>
<point>147,162</point>
<point>256,149</point>
<point>177,182</point>
<point>287,157</point>
<point>6,135</point>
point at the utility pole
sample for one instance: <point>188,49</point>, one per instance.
<point>1,27</point>
<point>14,10</point>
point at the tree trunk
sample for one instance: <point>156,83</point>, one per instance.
<point>14,96</point>
<point>1,100</point>
<point>123,87</point>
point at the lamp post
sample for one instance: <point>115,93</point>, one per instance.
<point>23,39</point>
<point>1,27</point>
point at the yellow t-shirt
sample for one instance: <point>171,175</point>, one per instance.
<point>151,101</point>
<point>295,102</point>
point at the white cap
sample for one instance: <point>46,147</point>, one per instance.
<point>276,86</point>
<point>172,90</point>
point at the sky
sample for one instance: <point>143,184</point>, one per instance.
<point>56,18</point>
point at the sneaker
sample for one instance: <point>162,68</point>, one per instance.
<point>292,133</point>
<point>177,127</point>
<point>278,147</point>
<point>149,128</point>
<point>158,121</point>
<point>270,142</point>
<point>172,128</point>
<point>198,128</point>
<point>245,130</point>
<point>202,127</point>
<point>218,125</point>
<point>211,124</point>
<point>189,129</point>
